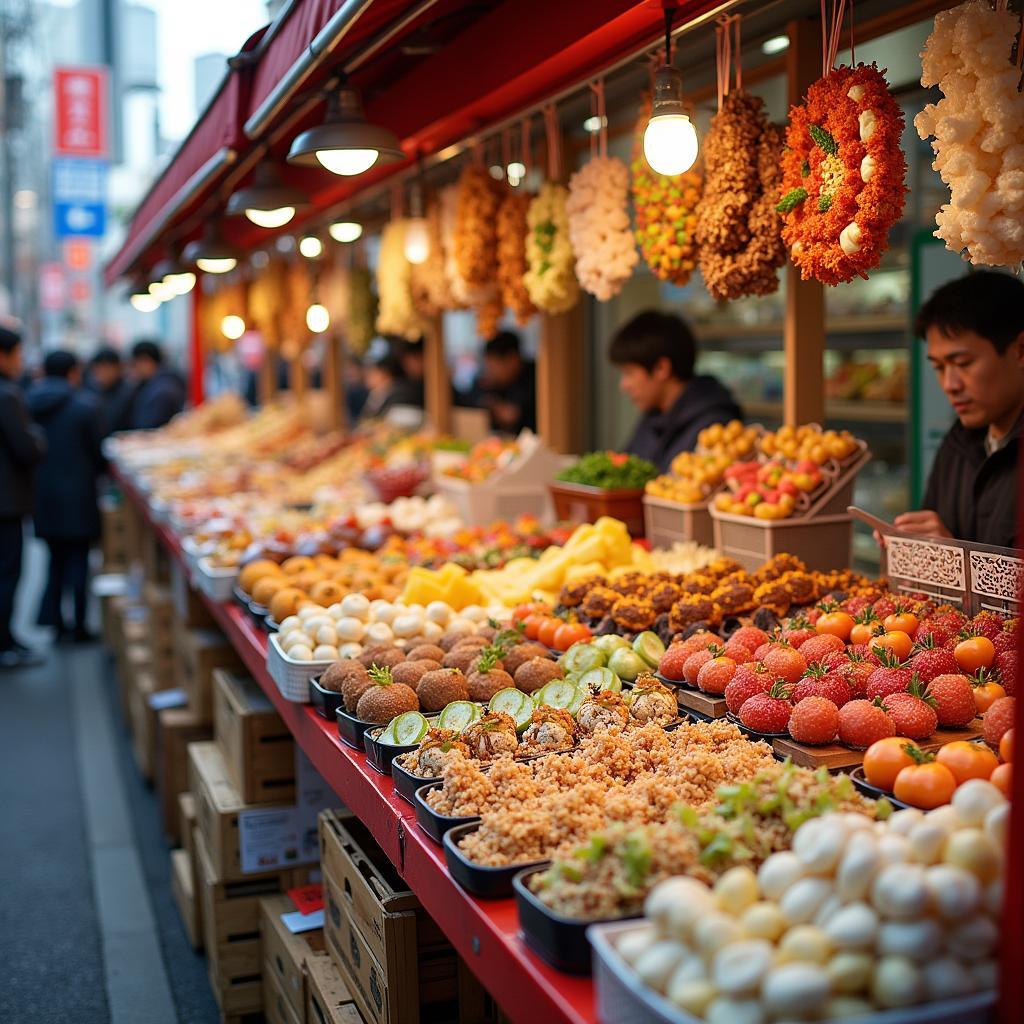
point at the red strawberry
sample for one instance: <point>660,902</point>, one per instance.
<point>767,712</point>
<point>856,672</point>
<point>817,647</point>
<point>912,713</point>
<point>750,636</point>
<point>715,674</point>
<point>954,699</point>
<point>763,650</point>
<point>1006,669</point>
<point>864,651</point>
<point>884,606</point>
<point>820,682</point>
<point>672,662</point>
<point>814,720</point>
<point>855,605</point>
<point>861,723</point>
<point>748,680</point>
<point>987,624</point>
<point>835,659</point>
<point>931,661</point>
<point>949,618</point>
<point>798,633</point>
<point>699,642</point>
<point>812,615</point>
<point>696,661</point>
<point>997,720</point>
<point>935,631</point>
<point>785,663</point>
<point>1004,641</point>
<point>739,653</point>
<point>890,677</point>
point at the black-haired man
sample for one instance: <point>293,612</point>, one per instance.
<point>106,380</point>
<point>655,353</point>
<point>508,385</point>
<point>974,330</point>
<point>22,445</point>
<point>160,392</point>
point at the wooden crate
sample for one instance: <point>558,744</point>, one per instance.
<point>142,720</point>
<point>176,729</point>
<point>218,805</point>
<point>186,897</point>
<point>285,955</point>
<point>822,542</point>
<point>155,562</point>
<point>113,535</point>
<point>189,609</point>
<point>200,651</point>
<point>187,826</point>
<point>578,503</point>
<point>276,1008</point>
<point>671,522</point>
<point>257,746</point>
<point>328,999</point>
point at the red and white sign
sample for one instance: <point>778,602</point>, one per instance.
<point>80,112</point>
<point>78,253</point>
<point>51,286</point>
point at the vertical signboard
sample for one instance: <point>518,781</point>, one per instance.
<point>81,122</point>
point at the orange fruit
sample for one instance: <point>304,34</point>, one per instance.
<point>1006,746</point>
<point>1002,778</point>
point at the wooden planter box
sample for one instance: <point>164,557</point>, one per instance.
<point>669,522</point>
<point>822,542</point>
<point>578,503</point>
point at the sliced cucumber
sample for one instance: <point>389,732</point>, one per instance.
<point>577,701</point>
<point>458,715</point>
<point>649,646</point>
<point>515,703</point>
<point>559,693</point>
<point>387,734</point>
<point>409,728</point>
<point>600,679</point>
<point>581,658</point>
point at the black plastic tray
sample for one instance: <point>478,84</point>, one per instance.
<point>382,755</point>
<point>558,941</point>
<point>753,733</point>
<point>434,824</point>
<point>326,702</point>
<point>406,783</point>
<point>271,625</point>
<point>351,729</point>
<point>675,684</point>
<point>876,792</point>
<point>478,879</point>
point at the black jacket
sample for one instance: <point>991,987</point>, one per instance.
<point>115,404</point>
<point>22,445</point>
<point>974,493</point>
<point>66,505</point>
<point>156,401</point>
<point>522,393</point>
<point>660,436</point>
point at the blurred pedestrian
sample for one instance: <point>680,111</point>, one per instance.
<point>67,513</point>
<point>22,445</point>
<point>107,381</point>
<point>508,385</point>
<point>160,391</point>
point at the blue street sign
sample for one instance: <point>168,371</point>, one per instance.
<point>79,197</point>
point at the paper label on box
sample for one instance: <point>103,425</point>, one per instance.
<point>307,898</point>
<point>297,922</point>
<point>167,699</point>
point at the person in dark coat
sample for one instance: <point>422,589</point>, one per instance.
<point>507,386</point>
<point>107,381</point>
<point>67,515</point>
<point>974,330</point>
<point>655,353</point>
<point>22,446</point>
<point>159,393</point>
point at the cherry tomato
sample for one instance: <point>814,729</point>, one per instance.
<point>973,653</point>
<point>862,632</point>
<point>838,624</point>
<point>1002,778</point>
<point>885,759</point>
<point>1006,746</point>
<point>925,785</point>
<point>570,633</point>
<point>896,641</point>
<point>521,612</point>
<point>549,627</point>
<point>986,695</point>
<point>967,760</point>
<point>905,622</point>
<point>533,623</point>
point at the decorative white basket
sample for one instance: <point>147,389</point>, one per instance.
<point>214,582</point>
<point>292,677</point>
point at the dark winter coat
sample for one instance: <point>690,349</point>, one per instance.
<point>660,436</point>
<point>156,401</point>
<point>974,493</point>
<point>115,404</point>
<point>66,505</point>
<point>22,446</point>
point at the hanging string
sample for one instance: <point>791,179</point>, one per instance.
<point>830,44</point>
<point>853,51</point>
<point>524,142</point>
<point>598,139</point>
<point>738,50</point>
<point>506,149</point>
<point>727,55</point>
<point>554,147</point>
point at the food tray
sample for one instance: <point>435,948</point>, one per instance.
<point>351,729</point>
<point>822,541</point>
<point>270,624</point>
<point>292,677</point>
<point>477,879</point>
<point>326,702</point>
<point>623,999</point>
<point>557,940</point>
<point>192,552</point>
<point>434,824</point>
<point>876,792</point>
<point>580,503</point>
<point>668,522</point>
<point>380,755</point>
<point>216,584</point>
<point>406,783</point>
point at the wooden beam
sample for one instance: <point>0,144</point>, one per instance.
<point>560,398</point>
<point>437,386</point>
<point>804,329</point>
<point>333,382</point>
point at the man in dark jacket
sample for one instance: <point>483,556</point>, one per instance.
<point>160,392</point>
<point>66,510</point>
<point>655,353</point>
<point>22,445</point>
<point>974,329</point>
<point>507,385</point>
<point>107,381</point>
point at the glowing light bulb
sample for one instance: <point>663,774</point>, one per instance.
<point>417,242</point>
<point>348,162</point>
<point>223,265</point>
<point>670,143</point>
<point>317,318</point>
<point>311,247</point>
<point>271,218</point>
<point>144,302</point>
<point>232,327</point>
<point>345,231</point>
<point>161,291</point>
<point>181,284</point>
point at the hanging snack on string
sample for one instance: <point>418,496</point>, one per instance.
<point>362,311</point>
<point>512,231</point>
<point>431,294</point>
<point>978,129</point>
<point>843,170</point>
<point>396,314</point>
<point>475,236</point>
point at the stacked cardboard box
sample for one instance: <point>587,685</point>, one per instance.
<point>113,535</point>
<point>160,635</point>
<point>199,652</point>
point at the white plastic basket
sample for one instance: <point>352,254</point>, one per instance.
<point>623,999</point>
<point>292,677</point>
<point>214,582</point>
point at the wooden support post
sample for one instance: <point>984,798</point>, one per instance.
<point>560,399</point>
<point>334,380</point>
<point>268,375</point>
<point>437,385</point>
<point>298,378</point>
<point>804,332</point>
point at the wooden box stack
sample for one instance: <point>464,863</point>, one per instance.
<point>200,651</point>
<point>113,535</point>
<point>188,603</point>
<point>160,635</point>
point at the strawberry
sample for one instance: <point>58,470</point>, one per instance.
<point>835,659</point>
<point>987,624</point>
<point>785,663</point>
<point>750,636</point>
<point>935,631</point>
<point>696,661</point>
<point>748,680</point>
<point>814,720</point>
<point>698,642</point>
<point>820,682</point>
<point>798,632</point>
<point>884,606</point>
<point>954,699</point>
<point>864,651</point>
<point>1006,670</point>
<point>856,672</point>
<point>931,660</point>
<point>861,723</point>
<point>1004,641</point>
<point>855,605</point>
<point>949,618</point>
<point>715,674</point>
<point>769,711</point>
<point>815,648</point>
<point>739,652</point>
<point>913,713</point>
<point>890,677</point>
<point>997,720</point>
<point>672,662</point>
<point>763,650</point>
